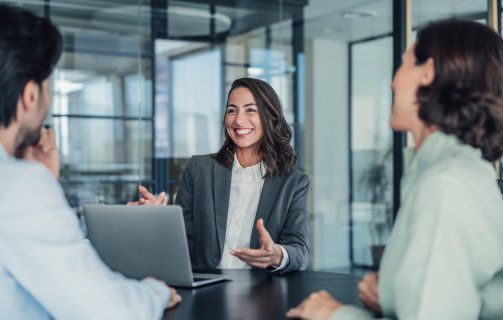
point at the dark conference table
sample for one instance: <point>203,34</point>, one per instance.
<point>256,294</point>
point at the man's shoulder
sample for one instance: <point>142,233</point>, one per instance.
<point>21,177</point>
<point>12,170</point>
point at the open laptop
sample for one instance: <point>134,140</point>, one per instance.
<point>142,241</point>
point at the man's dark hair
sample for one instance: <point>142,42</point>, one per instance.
<point>30,47</point>
<point>274,147</point>
<point>466,96</point>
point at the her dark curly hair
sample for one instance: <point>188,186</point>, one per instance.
<point>274,148</point>
<point>466,96</point>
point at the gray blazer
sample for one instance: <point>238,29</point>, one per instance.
<point>204,197</point>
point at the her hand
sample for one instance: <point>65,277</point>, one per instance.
<point>369,293</point>
<point>318,306</point>
<point>147,198</point>
<point>268,254</point>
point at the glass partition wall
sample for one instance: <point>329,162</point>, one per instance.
<point>196,67</point>
<point>102,98</point>
<point>142,84</point>
<point>371,147</point>
<point>348,60</point>
<point>141,87</point>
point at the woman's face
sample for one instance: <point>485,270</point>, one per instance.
<point>242,119</point>
<point>407,80</point>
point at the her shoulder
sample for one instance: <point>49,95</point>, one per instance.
<point>202,160</point>
<point>298,176</point>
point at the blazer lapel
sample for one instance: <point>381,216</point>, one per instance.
<point>221,193</point>
<point>265,205</point>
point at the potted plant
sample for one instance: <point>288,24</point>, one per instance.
<point>377,179</point>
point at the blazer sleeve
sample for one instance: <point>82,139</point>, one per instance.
<point>295,233</point>
<point>184,199</point>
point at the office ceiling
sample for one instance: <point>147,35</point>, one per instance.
<point>91,26</point>
<point>350,20</point>
<point>341,20</point>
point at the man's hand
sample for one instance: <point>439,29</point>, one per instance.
<point>318,306</point>
<point>174,298</point>
<point>147,198</point>
<point>268,254</point>
<point>45,151</point>
<point>369,293</point>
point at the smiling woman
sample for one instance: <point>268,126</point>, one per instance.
<point>243,125</point>
<point>253,104</point>
<point>247,205</point>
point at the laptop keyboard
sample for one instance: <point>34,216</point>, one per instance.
<point>199,279</point>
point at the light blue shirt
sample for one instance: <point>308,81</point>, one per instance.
<point>444,259</point>
<point>47,269</point>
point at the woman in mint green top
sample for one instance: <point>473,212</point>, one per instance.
<point>444,259</point>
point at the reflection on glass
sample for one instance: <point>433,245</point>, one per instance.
<point>197,104</point>
<point>193,76</point>
<point>77,87</point>
<point>102,100</point>
<point>430,10</point>
<point>104,155</point>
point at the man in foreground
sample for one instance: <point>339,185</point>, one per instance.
<point>47,269</point>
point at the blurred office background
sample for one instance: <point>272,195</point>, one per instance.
<point>142,85</point>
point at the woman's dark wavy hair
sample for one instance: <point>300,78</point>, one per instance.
<point>466,96</point>
<point>274,147</point>
<point>30,47</point>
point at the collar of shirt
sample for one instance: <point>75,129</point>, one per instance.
<point>257,171</point>
<point>439,146</point>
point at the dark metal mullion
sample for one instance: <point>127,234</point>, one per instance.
<point>500,162</point>
<point>102,181</point>
<point>399,138</point>
<point>70,48</point>
<point>158,30</point>
<point>350,154</point>
<point>213,29</point>
<point>378,37</point>
<point>223,84</point>
<point>498,5</point>
<point>47,9</point>
<point>267,46</point>
<point>298,86</point>
<point>101,117</point>
<point>291,6</point>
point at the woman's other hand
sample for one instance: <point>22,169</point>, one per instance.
<point>147,198</point>
<point>369,293</point>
